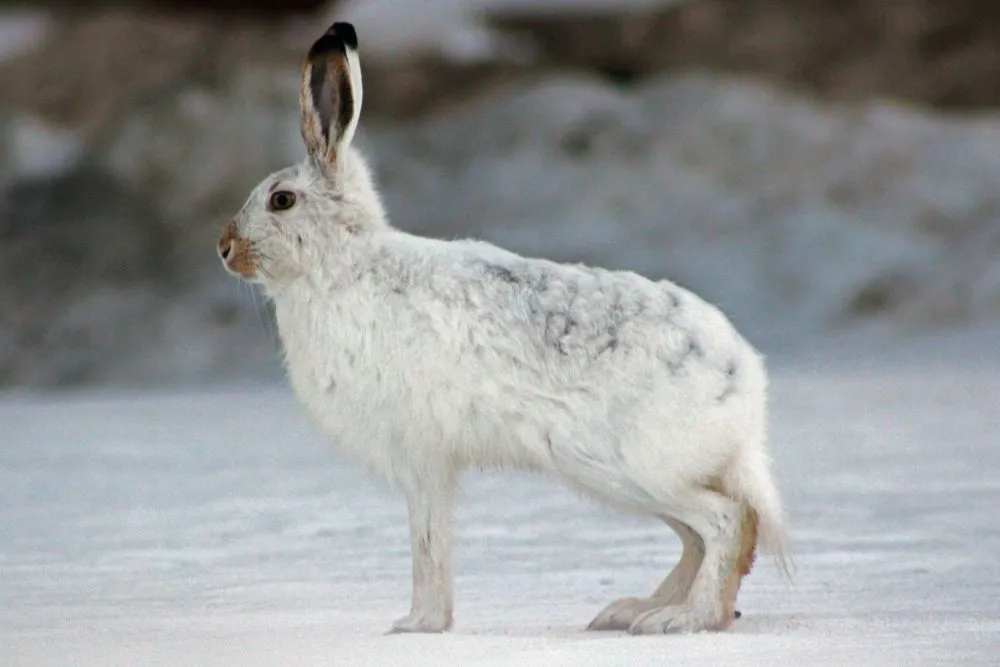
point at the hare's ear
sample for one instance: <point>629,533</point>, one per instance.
<point>330,97</point>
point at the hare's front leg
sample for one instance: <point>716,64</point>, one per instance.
<point>429,504</point>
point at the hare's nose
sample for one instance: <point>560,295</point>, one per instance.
<point>226,242</point>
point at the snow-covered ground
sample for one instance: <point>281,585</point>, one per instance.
<point>215,528</point>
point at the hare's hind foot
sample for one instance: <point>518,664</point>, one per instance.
<point>700,594</point>
<point>620,614</point>
<point>677,619</point>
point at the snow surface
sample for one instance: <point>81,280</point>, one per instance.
<point>215,527</point>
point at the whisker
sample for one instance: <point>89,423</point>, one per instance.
<point>263,315</point>
<point>262,319</point>
<point>262,311</point>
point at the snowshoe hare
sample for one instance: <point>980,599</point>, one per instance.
<point>423,357</point>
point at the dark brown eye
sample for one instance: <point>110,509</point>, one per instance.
<point>282,200</point>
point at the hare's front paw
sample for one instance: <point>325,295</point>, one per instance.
<point>422,621</point>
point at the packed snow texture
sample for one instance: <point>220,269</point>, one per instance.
<point>217,528</point>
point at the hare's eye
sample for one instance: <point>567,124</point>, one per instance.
<point>282,200</point>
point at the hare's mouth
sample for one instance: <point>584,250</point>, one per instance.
<point>238,254</point>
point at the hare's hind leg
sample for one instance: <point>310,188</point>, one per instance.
<point>620,614</point>
<point>746,553</point>
<point>717,521</point>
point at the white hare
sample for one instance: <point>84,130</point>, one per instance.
<point>421,358</point>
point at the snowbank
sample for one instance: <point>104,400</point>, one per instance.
<point>798,219</point>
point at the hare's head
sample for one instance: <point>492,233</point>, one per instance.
<point>300,217</point>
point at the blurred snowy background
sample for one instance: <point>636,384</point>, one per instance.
<point>818,168</point>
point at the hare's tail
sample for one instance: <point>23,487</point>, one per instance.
<point>748,481</point>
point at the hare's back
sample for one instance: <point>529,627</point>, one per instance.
<point>586,317</point>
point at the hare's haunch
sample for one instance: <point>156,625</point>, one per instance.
<point>420,358</point>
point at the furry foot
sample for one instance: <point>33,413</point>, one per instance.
<point>676,619</point>
<point>619,614</point>
<point>422,622</point>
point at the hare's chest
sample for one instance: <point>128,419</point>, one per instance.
<point>338,370</point>
<point>333,371</point>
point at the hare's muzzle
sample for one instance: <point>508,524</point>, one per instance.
<point>237,254</point>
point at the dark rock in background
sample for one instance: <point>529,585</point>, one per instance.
<point>66,237</point>
<point>81,228</point>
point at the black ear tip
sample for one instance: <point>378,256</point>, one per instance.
<point>346,32</point>
<point>339,37</point>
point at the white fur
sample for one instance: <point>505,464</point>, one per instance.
<point>421,358</point>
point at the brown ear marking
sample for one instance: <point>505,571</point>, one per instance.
<point>327,83</point>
